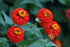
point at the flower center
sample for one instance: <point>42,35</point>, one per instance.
<point>50,36</point>
<point>46,13</point>
<point>17,31</point>
<point>55,26</point>
<point>21,13</point>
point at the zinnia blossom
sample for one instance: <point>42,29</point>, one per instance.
<point>15,34</point>
<point>44,15</point>
<point>52,29</point>
<point>20,16</point>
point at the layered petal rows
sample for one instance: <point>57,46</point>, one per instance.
<point>52,29</point>
<point>44,15</point>
<point>20,16</point>
<point>15,34</point>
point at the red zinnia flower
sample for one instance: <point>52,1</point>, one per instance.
<point>15,34</point>
<point>57,42</point>
<point>20,16</point>
<point>52,29</point>
<point>68,14</point>
<point>45,15</point>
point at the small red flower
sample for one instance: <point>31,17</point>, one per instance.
<point>68,14</point>
<point>20,16</point>
<point>15,34</point>
<point>52,29</point>
<point>45,15</point>
<point>57,42</point>
<point>51,36</point>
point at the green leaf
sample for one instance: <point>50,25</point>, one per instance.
<point>3,33</point>
<point>65,2</point>
<point>68,25</point>
<point>3,30</point>
<point>35,2</point>
<point>9,1</point>
<point>1,20</point>
<point>46,0</point>
<point>3,40</point>
<point>3,6</point>
<point>7,19</point>
<point>50,44</point>
<point>32,29</point>
<point>0,0</point>
<point>66,41</point>
<point>16,3</point>
<point>42,43</point>
<point>10,10</point>
<point>4,45</point>
<point>62,1</point>
<point>60,37</point>
<point>38,43</point>
<point>26,42</point>
<point>59,14</point>
<point>34,10</point>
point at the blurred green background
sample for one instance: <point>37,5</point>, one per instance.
<point>34,34</point>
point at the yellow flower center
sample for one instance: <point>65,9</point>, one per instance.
<point>50,36</point>
<point>48,11</point>
<point>17,31</point>
<point>21,13</point>
<point>45,13</point>
<point>58,44</point>
<point>55,26</point>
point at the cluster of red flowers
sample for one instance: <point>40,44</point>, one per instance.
<point>19,17</point>
<point>51,28</point>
